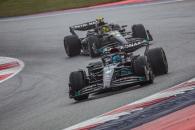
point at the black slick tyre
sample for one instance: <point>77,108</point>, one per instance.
<point>77,80</point>
<point>139,65</point>
<point>72,45</point>
<point>158,61</point>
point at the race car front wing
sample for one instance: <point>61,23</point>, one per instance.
<point>97,87</point>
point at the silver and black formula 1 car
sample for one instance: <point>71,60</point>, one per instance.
<point>98,34</point>
<point>119,66</point>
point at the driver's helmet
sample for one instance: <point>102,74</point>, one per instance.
<point>116,58</point>
<point>105,29</point>
<point>100,21</point>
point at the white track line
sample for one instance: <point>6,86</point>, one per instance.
<point>13,70</point>
<point>89,9</point>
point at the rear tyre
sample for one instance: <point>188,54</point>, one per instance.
<point>93,45</point>
<point>77,81</point>
<point>158,61</point>
<point>140,64</point>
<point>139,31</point>
<point>72,45</point>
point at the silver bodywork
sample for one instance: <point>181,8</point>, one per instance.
<point>108,72</point>
<point>118,37</point>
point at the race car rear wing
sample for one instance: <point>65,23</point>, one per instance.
<point>133,45</point>
<point>83,27</point>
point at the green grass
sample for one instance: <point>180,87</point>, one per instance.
<point>25,7</point>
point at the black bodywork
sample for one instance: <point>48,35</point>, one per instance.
<point>95,38</point>
<point>93,30</point>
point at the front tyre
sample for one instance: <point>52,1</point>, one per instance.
<point>158,61</point>
<point>77,81</point>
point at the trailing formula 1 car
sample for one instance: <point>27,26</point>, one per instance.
<point>119,66</point>
<point>100,34</point>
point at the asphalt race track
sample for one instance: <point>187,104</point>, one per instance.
<point>37,98</point>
